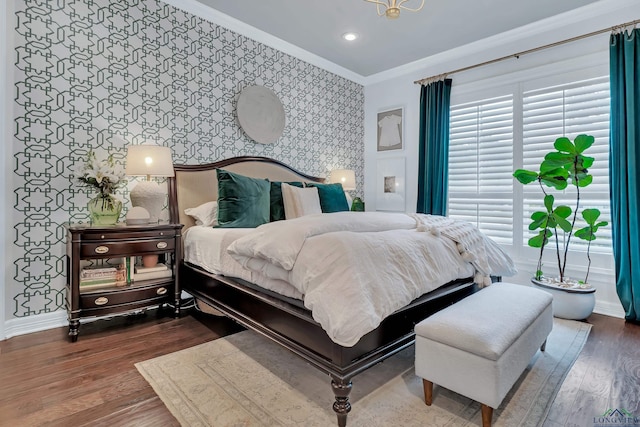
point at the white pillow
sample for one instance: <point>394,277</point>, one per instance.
<point>300,201</point>
<point>206,214</point>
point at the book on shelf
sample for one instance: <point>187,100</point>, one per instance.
<point>85,282</point>
<point>157,267</point>
<point>121,276</point>
<point>95,287</point>
<point>125,270</point>
<point>91,273</point>
<point>130,263</point>
<point>153,275</point>
<point>97,284</point>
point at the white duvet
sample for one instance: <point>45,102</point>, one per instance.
<point>206,247</point>
<point>356,268</point>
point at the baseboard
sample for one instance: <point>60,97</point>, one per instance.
<point>42,322</point>
<point>609,309</point>
<point>36,323</point>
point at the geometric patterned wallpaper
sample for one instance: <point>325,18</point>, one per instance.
<point>104,74</point>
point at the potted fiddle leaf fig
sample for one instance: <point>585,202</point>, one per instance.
<point>565,166</point>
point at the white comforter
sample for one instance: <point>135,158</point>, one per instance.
<point>356,268</point>
<point>206,247</point>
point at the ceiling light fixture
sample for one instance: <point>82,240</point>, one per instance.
<point>349,36</point>
<point>391,8</point>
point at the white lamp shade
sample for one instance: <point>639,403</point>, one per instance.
<point>346,177</point>
<point>149,160</point>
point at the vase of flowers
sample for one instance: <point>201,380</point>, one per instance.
<point>105,176</point>
<point>104,210</point>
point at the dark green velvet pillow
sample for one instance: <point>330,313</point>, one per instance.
<point>243,202</point>
<point>277,206</point>
<point>332,198</point>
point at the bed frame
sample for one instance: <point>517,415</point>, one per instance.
<point>285,322</point>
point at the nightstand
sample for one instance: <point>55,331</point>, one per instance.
<point>106,246</point>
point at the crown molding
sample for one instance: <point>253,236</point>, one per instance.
<point>592,17</point>
<point>597,15</point>
<point>196,8</point>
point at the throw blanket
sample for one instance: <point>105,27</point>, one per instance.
<point>470,242</point>
<point>356,268</point>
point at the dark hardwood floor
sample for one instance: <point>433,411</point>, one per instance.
<point>47,381</point>
<point>605,376</point>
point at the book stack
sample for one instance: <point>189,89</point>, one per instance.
<point>104,277</point>
<point>159,271</point>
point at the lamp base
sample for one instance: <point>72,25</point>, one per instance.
<point>150,196</point>
<point>137,215</point>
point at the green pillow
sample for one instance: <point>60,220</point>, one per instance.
<point>243,202</point>
<point>332,198</point>
<point>277,206</point>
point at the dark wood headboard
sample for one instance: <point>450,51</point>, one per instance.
<point>194,185</point>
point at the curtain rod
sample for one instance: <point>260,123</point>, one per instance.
<point>535,49</point>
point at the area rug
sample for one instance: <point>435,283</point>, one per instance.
<point>246,380</point>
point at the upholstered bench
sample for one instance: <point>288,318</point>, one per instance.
<point>479,346</point>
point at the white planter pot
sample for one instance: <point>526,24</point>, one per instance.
<point>574,304</point>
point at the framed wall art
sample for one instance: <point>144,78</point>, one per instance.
<point>390,129</point>
<point>390,185</point>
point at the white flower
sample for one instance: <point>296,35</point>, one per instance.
<point>102,174</point>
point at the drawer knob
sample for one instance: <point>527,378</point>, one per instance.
<point>161,291</point>
<point>102,249</point>
<point>101,301</point>
<point>161,245</point>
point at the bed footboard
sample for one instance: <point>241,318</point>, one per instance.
<point>294,327</point>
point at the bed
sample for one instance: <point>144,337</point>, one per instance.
<point>284,319</point>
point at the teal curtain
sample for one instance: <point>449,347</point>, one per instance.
<point>433,147</point>
<point>624,162</point>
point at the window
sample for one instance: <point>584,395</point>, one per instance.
<point>480,166</point>
<point>488,141</point>
<point>569,110</point>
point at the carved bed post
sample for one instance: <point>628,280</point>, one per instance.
<point>341,389</point>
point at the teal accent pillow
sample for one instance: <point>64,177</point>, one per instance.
<point>277,206</point>
<point>243,202</point>
<point>332,198</point>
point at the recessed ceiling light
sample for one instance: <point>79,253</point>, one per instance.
<point>350,36</point>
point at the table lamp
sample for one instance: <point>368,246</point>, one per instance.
<point>347,178</point>
<point>149,160</point>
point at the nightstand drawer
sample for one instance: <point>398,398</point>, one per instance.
<point>104,250</point>
<point>107,298</point>
<point>148,234</point>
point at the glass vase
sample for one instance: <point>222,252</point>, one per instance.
<point>104,209</point>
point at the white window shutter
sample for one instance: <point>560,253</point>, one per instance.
<point>480,166</point>
<point>482,150</point>
<point>570,110</point>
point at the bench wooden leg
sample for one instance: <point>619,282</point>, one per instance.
<point>543,346</point>
<point>428,391</point>
<point>487,414</point>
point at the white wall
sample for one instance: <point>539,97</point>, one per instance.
<point>5,143</point>
<point>396,88</point>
